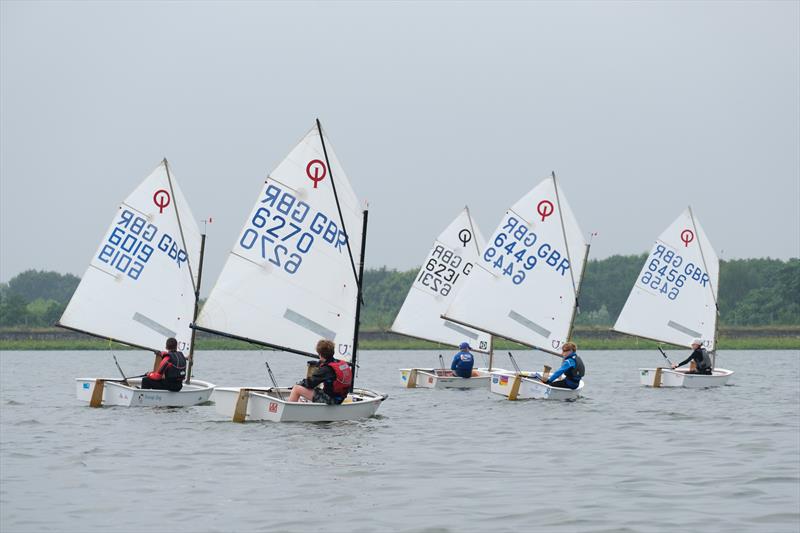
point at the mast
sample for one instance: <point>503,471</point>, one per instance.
<point>577,293</point>
<point>357,275</point>
<point>196,307</point>
<point>360,285</point>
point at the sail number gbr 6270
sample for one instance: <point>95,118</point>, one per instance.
<point>283,229</point>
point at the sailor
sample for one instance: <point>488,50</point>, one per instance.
<point>572,368</point>
<point>463,361</point>
<point>335,376</point>
<point>701,361</point>
<point>170,372</point>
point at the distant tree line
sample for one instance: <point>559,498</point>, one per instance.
<point>753,292</point>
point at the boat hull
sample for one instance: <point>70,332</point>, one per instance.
<point>676,378</point>
<point>266,404</point>
<point>436,378</point>
<point>531,389</point>
<point>115,393</point>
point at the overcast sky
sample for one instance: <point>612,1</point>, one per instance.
<point>639,108</point>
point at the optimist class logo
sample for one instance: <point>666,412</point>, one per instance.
<point>687,236</point>
<point>545,209</point>
<point>316,171</point>
<point>161,199</point>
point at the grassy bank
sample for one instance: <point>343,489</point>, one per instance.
<point>400,343</point>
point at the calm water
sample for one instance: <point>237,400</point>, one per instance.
<point>623,458</point>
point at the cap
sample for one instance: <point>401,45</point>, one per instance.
<point>698,342</point>
<point>464,346</point>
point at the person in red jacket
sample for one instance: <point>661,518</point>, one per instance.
<point>170,372</point>
<point>335,376</point>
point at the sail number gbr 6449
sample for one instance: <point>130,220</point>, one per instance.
<point>516,250</point>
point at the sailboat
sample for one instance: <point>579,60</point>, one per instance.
<point>525,285</point>
<point>674,301</point>
<point>142,287</point>
<point>445,270</point>
<point>291,279</point>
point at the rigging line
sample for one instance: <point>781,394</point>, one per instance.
<point>472,227</point>
<point>180,227</point>
<point>564,232</point>
<point>710,285</point>
<point>336,197</point>
<point>702,255</point>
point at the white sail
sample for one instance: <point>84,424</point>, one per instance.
<point>139,287</point>
<point>525,282</point>
<point>674,297</point>
<point>444,271</point>
<point>289,279</point>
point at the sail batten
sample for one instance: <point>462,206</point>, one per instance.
<point>674,297</point>
<point>530,268</point>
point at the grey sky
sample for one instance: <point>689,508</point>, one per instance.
<point>640,109</point>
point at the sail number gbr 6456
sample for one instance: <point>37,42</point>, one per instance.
<point>668,273</point>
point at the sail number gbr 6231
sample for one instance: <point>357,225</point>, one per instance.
<point>441,271</point>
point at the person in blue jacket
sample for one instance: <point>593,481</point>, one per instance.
<point>571,368</point>
<point>463,361</point>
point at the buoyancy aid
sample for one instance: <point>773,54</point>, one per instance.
<point>705,362</point>
<point>344,377</point>
<point>175,367</point>
<point>575,373</point>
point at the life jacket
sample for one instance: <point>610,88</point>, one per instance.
<point>705,364</point>
<point>175,369</point>
<point>574,374</point>
<point>344,377</point>
<point>463,363</point>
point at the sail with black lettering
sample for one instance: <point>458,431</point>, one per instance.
<point>525,283</point>
<point>445,270</point>
<point>674,297</point>
<point>291,276</point>
<point>139,288</point>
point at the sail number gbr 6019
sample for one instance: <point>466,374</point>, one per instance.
<point>442,269</point>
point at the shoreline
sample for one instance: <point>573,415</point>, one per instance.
<point>594,338</point>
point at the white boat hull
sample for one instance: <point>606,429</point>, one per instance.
<point>437,378</point>
<point>266,404</point>
<point>115,393</point>
<point>531,389</point>
<point>678,378</point>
